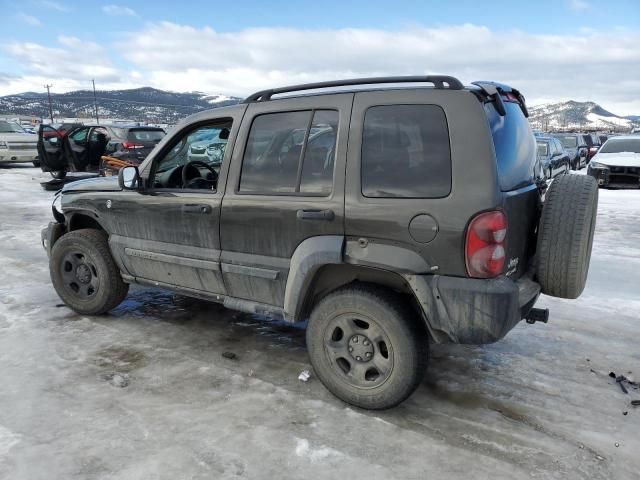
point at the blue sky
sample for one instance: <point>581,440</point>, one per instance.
<point>555,50</point>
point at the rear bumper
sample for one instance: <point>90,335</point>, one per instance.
<point>473,311</point>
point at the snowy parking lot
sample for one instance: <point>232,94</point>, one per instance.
<point>170,388</point>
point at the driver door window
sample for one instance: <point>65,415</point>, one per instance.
<point>194,160</point>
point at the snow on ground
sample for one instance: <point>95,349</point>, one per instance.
<point>144,393</point>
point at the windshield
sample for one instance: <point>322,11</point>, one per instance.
<point>542,149</point>
<point>568,141</point>
<point>10,127</point>
<point>619,145</point>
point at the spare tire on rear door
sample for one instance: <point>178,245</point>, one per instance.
<point>565,235</point>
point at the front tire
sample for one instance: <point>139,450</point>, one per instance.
<point>367,347</point>
<point>84,273</point>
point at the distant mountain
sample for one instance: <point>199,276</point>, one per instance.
<point>138,104</point>
<point>573,115</point>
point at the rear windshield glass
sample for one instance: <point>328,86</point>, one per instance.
<point>543,149</point>
<point>146,135</point>
<point>568,141</point>
<point>619,145</point>
<point>515,146</point>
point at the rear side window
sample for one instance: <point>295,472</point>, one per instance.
<point>514,144</point>
<point>290,153</point>
<point>405,152</point>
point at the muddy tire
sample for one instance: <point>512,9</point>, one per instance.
<point>84,273</point>
<point>565,235</point>
<point>367,346</point>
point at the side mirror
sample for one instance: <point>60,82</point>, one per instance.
<point>129,178</point>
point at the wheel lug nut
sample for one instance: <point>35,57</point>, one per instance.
<point>355,339</point>
<point>368,354</point>
<point>351,349</point>
<point>365,343</point>
<point>359,358</point>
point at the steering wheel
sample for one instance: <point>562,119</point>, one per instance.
<point>193,166</point>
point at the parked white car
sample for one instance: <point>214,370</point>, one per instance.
<point>617,163</point>
<point>16,145</point>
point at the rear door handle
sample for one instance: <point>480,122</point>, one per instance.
<point>196,208</point>
<point>327,215</point>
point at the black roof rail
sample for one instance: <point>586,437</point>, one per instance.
<point>439,81</point>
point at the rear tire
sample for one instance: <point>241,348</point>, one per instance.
<point>565,235</point>
<point>84,273</point>
<point>367,346</point>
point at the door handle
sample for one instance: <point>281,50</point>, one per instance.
<point>194,208</point>
<point>327,215</point>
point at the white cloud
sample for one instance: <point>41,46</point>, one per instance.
<point>118,10</point>
<point>603,66</point>
<point>54,5</point>
<point>579,5</point>
<point>542,66</point>
<point>62,63</point>
<point>29,20</point>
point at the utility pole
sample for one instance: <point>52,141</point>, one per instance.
<point>50,107</point>
<point>95,101</point>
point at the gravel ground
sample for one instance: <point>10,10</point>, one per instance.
<point>146,393</point>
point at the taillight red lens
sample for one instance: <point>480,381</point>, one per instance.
<point>485,245</point>
<point>127,144</point>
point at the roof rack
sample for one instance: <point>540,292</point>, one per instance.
<point>439,81</point>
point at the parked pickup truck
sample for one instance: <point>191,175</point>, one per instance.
<point>16,145</point>
<point>390,217</point>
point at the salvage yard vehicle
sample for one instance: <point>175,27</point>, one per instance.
<point>576,147</point>
<point>80,149</point>
<point>16,145</point>
<point>553,158</point>
<point>617,163</point>
<point>59,129</point>
<point>389,215</point>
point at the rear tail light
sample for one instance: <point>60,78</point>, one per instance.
<point>485,245</point>
<point>129,145</point>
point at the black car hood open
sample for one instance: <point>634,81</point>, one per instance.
<point>100,184</point>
